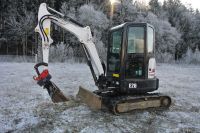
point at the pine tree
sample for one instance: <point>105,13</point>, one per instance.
<point>155,7</point>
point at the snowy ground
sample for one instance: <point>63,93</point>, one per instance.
<point>25,107</point>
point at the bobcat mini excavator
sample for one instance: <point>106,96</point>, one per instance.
<point>125,84</point>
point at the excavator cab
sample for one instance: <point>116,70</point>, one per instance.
<point>131,58</point>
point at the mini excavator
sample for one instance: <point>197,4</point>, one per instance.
<point>128,80</point>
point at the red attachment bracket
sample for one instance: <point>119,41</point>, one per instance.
<point>42,76</point>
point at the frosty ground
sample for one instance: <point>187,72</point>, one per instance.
<point>26,107</point>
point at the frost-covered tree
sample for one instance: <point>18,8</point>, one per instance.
<point>96,19</point>
<point>174,10</point>
<point>64,37</point>
<point>60,52</point>
<point>125,11</point>
<point>98,22</point>
<point>155,7</point>
<point>21,26</point>
<point>177,26</point>
<point>166,37</point>
<point>88,16</point>
<point>184,20</point>
<point>191,57</point>
<point>68,10</point>
<point>196,29</point>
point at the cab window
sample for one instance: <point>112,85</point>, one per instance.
<point>116,41</point>
<point>114,52</point>
<point>135,40</point>
<point>150,39</point>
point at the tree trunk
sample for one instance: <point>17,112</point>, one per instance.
<point>23,47</point>
<point>7,50</point>
<point>17,50</point>
<point>32,50</point>
<point>63,36</point>
<point>26,43</point>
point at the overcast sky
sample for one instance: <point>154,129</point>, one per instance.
<point>194,3</point>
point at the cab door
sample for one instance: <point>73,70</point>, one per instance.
<point>135,53</point>
<point>114,54</point>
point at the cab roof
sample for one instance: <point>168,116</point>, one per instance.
<point>129,23</point>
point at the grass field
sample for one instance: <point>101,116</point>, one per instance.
<point>26,107</point>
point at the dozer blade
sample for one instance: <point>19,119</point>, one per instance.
<point>92,100</point>
<point>55,93</point>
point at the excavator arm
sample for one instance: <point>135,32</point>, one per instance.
<point>45,19</point>
<point>82,33</point>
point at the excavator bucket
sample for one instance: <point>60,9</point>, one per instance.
<point>92,100</point>
<point>55,93</point>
